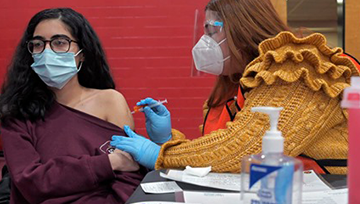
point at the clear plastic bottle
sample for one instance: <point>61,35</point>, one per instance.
<point>271,177</point>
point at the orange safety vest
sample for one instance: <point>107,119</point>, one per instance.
<point>353,59</point>
<point>217,117</point>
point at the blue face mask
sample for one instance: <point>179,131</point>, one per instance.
<point>55,69</point>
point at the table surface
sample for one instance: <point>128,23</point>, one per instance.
<point>336,181</point>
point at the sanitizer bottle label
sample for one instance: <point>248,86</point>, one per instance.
<point>275,183</point>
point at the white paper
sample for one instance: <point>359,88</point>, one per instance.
<point>211,197</point>
<point>232,182</point>
<point>312,182</point>
<point>160,202</point>
<point>338,196</point>
<point>160,187</point>
<point>197,171</point>
<point>224,181</point>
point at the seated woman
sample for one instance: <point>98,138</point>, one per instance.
<point>58,111</point>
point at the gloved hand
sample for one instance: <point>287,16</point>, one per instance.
<point>158,121</point>
<point>143,150</point>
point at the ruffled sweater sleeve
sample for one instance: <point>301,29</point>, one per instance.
<point>302,75</point>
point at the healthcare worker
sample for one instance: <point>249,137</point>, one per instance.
<point>258,63</point>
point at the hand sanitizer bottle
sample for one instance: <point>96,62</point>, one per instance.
<point>271,177</point>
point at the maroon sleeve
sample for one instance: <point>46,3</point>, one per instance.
<point>61,176</point>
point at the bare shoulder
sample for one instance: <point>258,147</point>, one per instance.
<point>111,96</point>
<point>115,107</point>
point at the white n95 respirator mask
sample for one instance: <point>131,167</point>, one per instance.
<point>208,56</point>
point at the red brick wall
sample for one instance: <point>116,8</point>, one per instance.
<point>148,44</point>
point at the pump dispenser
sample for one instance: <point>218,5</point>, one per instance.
<point>272,140</point>
<point>274,177</point>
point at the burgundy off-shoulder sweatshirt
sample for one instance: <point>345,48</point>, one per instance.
<point>59,160</point>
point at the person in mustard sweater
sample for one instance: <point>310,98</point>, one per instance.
<point>258,63</point>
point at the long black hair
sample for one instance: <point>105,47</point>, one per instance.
<point>24,95</point>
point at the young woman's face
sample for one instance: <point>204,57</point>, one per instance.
<point>218,34</point>
<point>55,29</point>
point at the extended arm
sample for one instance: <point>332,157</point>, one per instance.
<point>301,75</point>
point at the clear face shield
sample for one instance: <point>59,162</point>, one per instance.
<point>207,54</point>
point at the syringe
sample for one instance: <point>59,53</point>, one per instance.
<point>141,108</point>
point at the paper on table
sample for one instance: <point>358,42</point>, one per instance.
<point>160,202</point>
<point>224,181</point>
<point>338,196</point>
<point>312,182</point>
<point>211,197</point>
<point>160,187</point>
<point>197,171</point>
<point>227,181</point>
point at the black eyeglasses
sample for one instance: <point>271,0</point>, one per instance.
<point>58,45</point>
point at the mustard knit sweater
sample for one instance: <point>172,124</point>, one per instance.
<point>302,75</point>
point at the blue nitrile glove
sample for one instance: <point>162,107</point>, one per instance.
<point>158,121</point>
<point>143,150</point>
